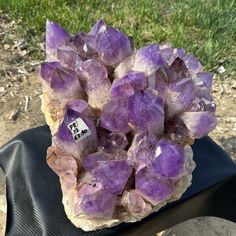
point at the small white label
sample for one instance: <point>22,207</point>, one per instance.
<point>221,70</point>
<point>79,129</point>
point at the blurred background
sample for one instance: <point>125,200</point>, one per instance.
<point>206,28</point>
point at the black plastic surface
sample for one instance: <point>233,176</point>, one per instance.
<point>34,195</point>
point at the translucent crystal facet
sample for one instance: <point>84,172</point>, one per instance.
<point>153,187</point>
<point>127,85</point>
<point>113,174</point>
<point>112,46</point>
<point>168,160</point>
<point>115,116</point>
<point>55,37</point>
<point>146,111</point>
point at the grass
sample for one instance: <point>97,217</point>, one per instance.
<point>206,28</point>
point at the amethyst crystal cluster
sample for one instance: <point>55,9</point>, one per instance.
<point>122,122</point>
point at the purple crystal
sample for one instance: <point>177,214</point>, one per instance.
<point>170,54</point>
<point>93,71</point>
<point>75,109</point>
<point>112,46</point>
<point>204,80</point>
<point>179,96</point>
<point>72,141</point>
<point>142,148</point>
<point>121,122</point>
<point>146,111</point>
<point>55,37</point>
<point>80,44</point>
<point>158,81</point>
<point>68,56</point>
<point>176,130</point>
<point>47,69</point>
<point>199,124</point>
<point>99,205</point>
<point>203,102</point>
<point>168,160</point>
<point>137,80</point>
<point>97,27</point>
<point>92,160</point>
<point>127,85</point>
<point>148,59</point>
<point>153,187</point>
<point>112,142</point>
<point>177,70</point>
<point>113,175</point>
<point>193,65</point>
<point>61,79</point>
<point>115,116</point>
<point>79,106</point>
<point>209,105</point>
<point>135,204</point>
<point>92,35</point>
<point>96,202</point>
<point>96,83</point>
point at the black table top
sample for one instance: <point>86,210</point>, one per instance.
<point>34,195</point>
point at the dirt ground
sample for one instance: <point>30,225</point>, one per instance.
<point>20,109</point>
